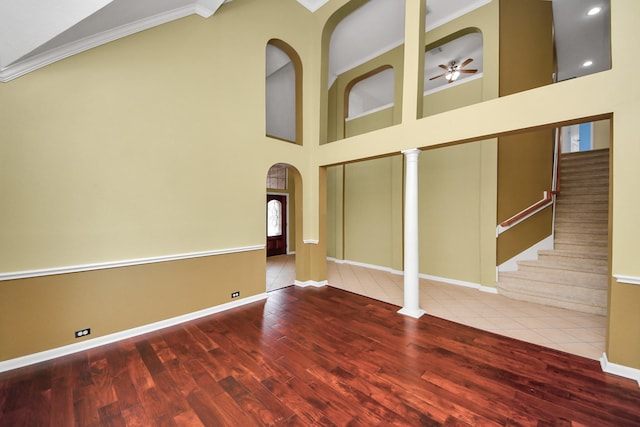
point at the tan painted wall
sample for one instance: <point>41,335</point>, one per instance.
<point>601,134</point>
<point>526,45</point>
<point>42,313</point>
<point>525,172</point>
<point>524,160</point>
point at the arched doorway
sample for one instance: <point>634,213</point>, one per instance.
<point>282,214</point>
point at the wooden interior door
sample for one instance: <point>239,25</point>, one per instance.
<point>276,225</point>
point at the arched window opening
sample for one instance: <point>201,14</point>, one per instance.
<point>361,39</point>
<point>283,92</point>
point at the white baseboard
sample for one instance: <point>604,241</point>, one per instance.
<point>365,265</point>
<point>620,370</point>
<point>452,281</point>
<point>311,283</point>
<point>43,356</point>
<point>477,286</point>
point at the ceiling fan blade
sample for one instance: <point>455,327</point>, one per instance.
<point>468,71</point>
<point>468,61</point>
<point>441,75</point>
<point>444,67</point>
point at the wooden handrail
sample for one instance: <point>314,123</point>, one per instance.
<point>548,198</point>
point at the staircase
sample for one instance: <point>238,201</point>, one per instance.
<point>574,275</point>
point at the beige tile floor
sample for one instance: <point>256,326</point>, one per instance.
<point>570,331</point>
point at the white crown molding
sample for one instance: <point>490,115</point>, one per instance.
<point>124,263</point>
<point>43,356</point>
<point>620,370</point>
<point>458,13</point>
<point>360,61</point>
<point>312,283</point>
<point>629,280</point>
<point>313,5</point>
<point>206,8</point>
<point>21,68</point>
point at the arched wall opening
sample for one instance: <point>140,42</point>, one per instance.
<point>283,92</point>
<point>283,218</point>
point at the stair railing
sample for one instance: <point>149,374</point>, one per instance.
<point>549,197</point>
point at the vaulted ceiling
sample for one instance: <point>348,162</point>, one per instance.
<point>34,33</point>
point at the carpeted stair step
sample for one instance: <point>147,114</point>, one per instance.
<point>600,214</point>
<point>578,187</point>
<point>568,198</point>
<point>584,237</point>
<point>549,272</point>
<point>582,227</point>
<point>573,262</point>
<point>596,258</point>
<point>581,246</point>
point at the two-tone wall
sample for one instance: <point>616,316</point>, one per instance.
<point>139,166</point>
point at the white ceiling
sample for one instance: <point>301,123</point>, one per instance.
<point>34,33</point>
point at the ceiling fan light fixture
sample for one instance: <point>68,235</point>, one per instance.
<point>587,63</point>
<point>455,75</point>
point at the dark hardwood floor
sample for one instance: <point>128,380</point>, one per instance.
<point>309,356</point>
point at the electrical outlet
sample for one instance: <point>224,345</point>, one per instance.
<point>235,294</point>
<point>83,332</point>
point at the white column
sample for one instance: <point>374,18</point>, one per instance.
<point>411,260</point>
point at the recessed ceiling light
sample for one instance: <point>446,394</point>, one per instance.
<point>588,63</point>
<point>594,11</point>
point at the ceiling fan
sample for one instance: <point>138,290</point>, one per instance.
<point>453,70</point>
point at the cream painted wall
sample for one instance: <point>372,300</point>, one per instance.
<point>335,209</point>
<point>370,122</point>
<point>118,153</point>
<point>449,205</point>
<point>369,219</point>
<point>465,93</point>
